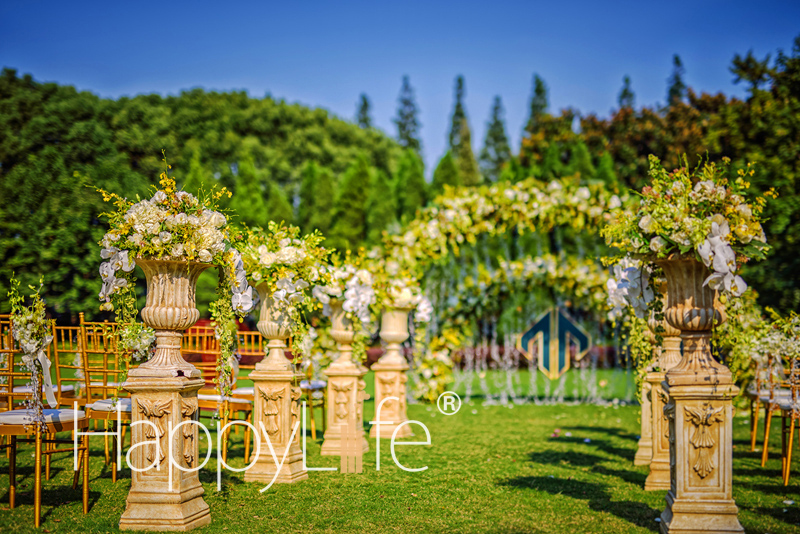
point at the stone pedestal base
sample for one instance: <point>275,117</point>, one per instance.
<point>154,504</point>
<point>345,404</point>
<point>658,479</point>
<point>700,498</point>
<point>390,381</point>
<point>644,452</point>
<point>276,413</point>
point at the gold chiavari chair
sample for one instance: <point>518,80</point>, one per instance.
<point>316,392</point>
<point>103,371</point>
<point>196,343</point>
<point>772,397</point>
<point>790,417</point>
<point>16,421</point>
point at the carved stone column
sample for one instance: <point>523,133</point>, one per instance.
<point>345,385</point>
<point>276,400</point>
<point>644,452</point>
<point>700,412</point>
<point>670,356</point>
<point>164,394</point>
<point>390,376</point>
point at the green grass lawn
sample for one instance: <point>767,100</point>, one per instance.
<point>490,469</point>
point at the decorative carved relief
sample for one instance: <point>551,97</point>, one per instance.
<point>296,394</point>
<point>362,395</point>
<point>702,438</point>
<point>387,390</point>
<point>270,398</point>
<point>341,399</point>
<point>188,409</point>
<point>402,393</point>
<point>154,412</point>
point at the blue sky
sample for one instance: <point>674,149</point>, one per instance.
<point>324,54</point>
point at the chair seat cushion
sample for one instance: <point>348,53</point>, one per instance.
<point>778,394</point>
<point>27,389</point>
<point>218,398</point>
<point>24,416</point>
<point>244,391</point>
<point>313,384</point>
<point>107,384</point>
<point>108,405</point>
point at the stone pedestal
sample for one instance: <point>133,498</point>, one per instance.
<point>644,452</point>
<point>700,412</point>
<point>276,401</point>
<point>164,393</point>
<point>390,376</point>
<point>659,477</point>
<point>345,386</point>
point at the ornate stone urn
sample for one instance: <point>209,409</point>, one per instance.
<point>390,376</point>
<point>164,394</point>
<point>345,385</point>
<point>276,398</point>
<point>699,409</point>
<point>669,357</point>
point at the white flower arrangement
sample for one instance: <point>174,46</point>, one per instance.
<point>687,212</point>
<point>171,225</point>
<point>33,332</point>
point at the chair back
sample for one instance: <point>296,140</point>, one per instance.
<point>104,366</point>
<point>14,374</point>
<point>67,358</point>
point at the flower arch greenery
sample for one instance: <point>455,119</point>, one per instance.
<point>460,220</point>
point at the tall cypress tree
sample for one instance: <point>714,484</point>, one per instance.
<point>605,172</point>
<point>349,213</point>
<point>321,217</point>
<point>626,97</point>
<point>362,115</point>
<point>406,120</point>
<point>381,206</point>
<point>552,167</point>
<point>278,206</point>
<point>581,162</point>
<point>446,173</point>
<point>459,115</point>
<point>496,150</point>
<point>465,158</point>
<point>677,88</point>
<point>248,198</point>
<point>410,188</point>
<point>538,104</point>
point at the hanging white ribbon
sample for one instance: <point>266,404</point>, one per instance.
<point>44,361</point>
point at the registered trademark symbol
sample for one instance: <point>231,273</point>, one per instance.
<point>447,403</point>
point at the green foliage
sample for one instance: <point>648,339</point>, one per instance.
<point>626,97</point>
<point>446,173</point>
<point>381,206</point>
<point>248,201</point>
<point>465,158</point>
<point>552,167</point>
<point>363,118</point>
<point>349,211</point>
<point>49,220</point>
<point>306,206</point>
<point>496,151</point>
<point>278,207</point>
<point>411,190</point>
<point>538,104</point>
<point>406,121</point>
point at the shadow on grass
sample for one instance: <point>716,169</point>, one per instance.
<point>580,459</point>
<point>611,431</point>
<point>603,445</point>
<point>596,495</point>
